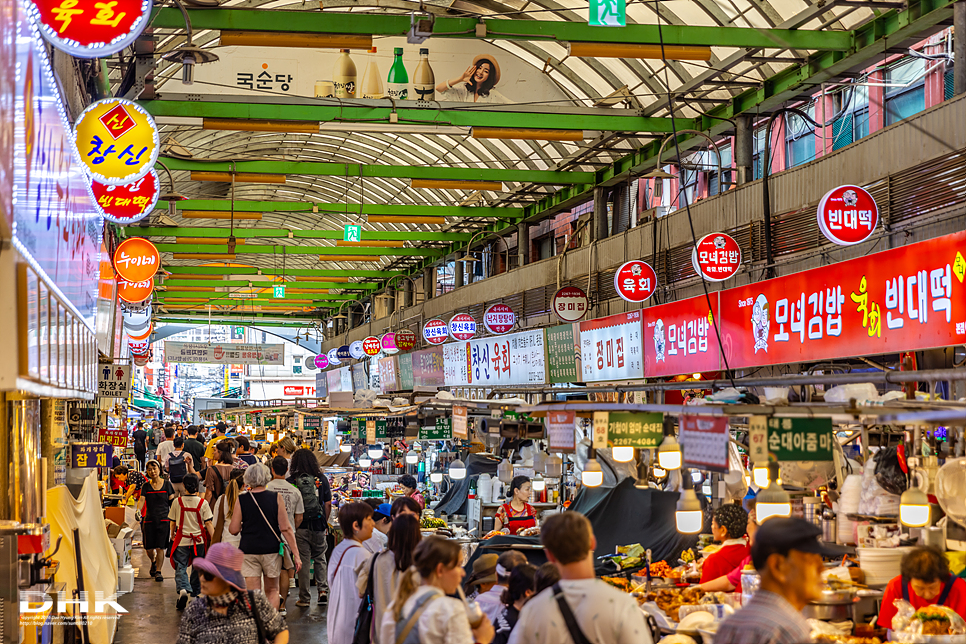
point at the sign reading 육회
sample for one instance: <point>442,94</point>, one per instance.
<point>633,429</point>
<point>847,215</point>
<point>435,331</point>
<point>790,439</point>
<point>462,326</point>
<point>716,257</point>
<point>117,140</point>
<point>563,353</point>
<point>89,28</point>
<point>610,348</point>
<point>204,353</point>
<point>515,359</point>
<point>635,281</point>
<point>128,203</point>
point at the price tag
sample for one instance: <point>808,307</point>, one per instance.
<point>370,432</point>
<point>601,420</point>
<point>758,439</point>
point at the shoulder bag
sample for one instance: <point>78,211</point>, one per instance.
<point>258,618</point>
<point>281,542</point>
<point>363,632</point>
<point>575,633</point>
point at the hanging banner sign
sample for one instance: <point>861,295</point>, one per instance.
<point>704,441</point>
<point>847,215</point>
<point>136,260</point>
<point>91,455</point>
<point>460,422</point>
<point>343,352</point>
<point>611,348</point>
<point>499,319</point>
<point>371,346</point>
<point>634,429</point>
<point>905,299</point>
<point>113,437</point>
<point>563,353</point>
<point>333,358</point>
<point>428,368</point>
<point>790,439</point>
<point>679,337</point>
<point>441,431</point>
<point>561,436</point>
<point>204,353</point>
<point>90,29</point>
<point>435,331</point>
<point>635,281</point>
<point>388,343</point>
<point>321,361</point>
<point>388,374</point>
<point>570,303</point>
<point>716,258</point>
<point>129,203</point>
<point>355,350</point>
<point>462,326</point>
<point>117,140</point>
<point>405,340</point>
<point>134,292</point>
<point>515,359</point>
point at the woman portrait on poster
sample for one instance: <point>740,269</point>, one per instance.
<point>476,84</point>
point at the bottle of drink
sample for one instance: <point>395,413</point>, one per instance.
<point>344,76</point>
<point>372,80</point>
<point>398,81</point>
<point>424,81</point>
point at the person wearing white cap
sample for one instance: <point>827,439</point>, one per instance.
<point>491,602</point>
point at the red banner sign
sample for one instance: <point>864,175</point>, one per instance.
<point>136,260</point>
<point>405,340</point>
<point>679,337</point>
<point>570,303</point>
<point>371,345</point>
<point>134,292</point>
<point>293,390</point>
<point>129,203</point>
<point>847,215</point>
<point>115,437</point>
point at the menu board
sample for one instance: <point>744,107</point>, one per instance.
<point>561,436</point>
<point>359,377</point>
<point>388,374</point>
<point>704,442</point>
<point>405,364</point>
<point>563,353</point>
<point>679,337</point>
<point>515,359</point>
<point>428,368</point>
<point>611,348</point>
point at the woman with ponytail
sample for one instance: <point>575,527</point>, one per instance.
<point>519,590</point>
<point>421,611</point>
<point>387,568</point>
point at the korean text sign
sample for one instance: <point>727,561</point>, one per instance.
<point>515,359</point>
<point>115,437</point>
<point>442,430</point>
<point>634,429</point>
<point>679,337</point>
<point>902,299</point>
<point>203,353</point>
<point>791,439</point>
<point>610,348</point>
<point>704,440</point>
<point>560,431</point>
<point>563,353</point>
<point>91,454</point>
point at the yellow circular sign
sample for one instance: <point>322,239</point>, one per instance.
<point>117,140</point>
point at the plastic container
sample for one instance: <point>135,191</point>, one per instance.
<point>125,580</point>
<point>485,488</point>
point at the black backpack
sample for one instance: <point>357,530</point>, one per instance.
<point>310,495</point>
<point>177,467</point>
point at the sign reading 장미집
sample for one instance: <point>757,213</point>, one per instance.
<point>611,348</point>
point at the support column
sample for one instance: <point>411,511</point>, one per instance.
<point>523,244</point>
<point>429,283</point>
<point>457,274</point>
<point>405,298</point>
<point>745,149</point>
<point>600,228</point>
<point>959,48</point>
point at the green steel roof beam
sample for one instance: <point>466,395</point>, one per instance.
<point>325,110</point>
<point>317,169</point>
<point>240,320</point>
<point>289,272</point>
<point>283,233</point>
<point>174,282</point>
<point>242,302</point>
<point>223,205</point>
<point>251,249</point>
<point>501,29</point>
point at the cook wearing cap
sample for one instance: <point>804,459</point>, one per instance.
<point>788,555</point>
<point>483,577</point>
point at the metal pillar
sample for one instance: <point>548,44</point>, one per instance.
<point>429,283</point>
<point>745,148</point>
<point>405,299</point>
<point>457,274</point>
<point>523,244</point>
<point>959,48</point>
<point>600,228</point>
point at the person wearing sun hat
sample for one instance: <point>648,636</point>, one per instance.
<point>227,613</point>
<point>476,84</point>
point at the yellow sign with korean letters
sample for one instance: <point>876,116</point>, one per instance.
<point>117,140</point>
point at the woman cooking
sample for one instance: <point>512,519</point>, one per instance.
<point>729,526</point>
<point>517,514</point>
<point>925,580</point>
<point>408,484</point>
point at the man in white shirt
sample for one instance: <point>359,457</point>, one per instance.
<point>166,447</point>
<point>295,507</point>
<point>602,613</point>
<point>380,535</point>
<point>355,519</point>
<point>491,601</point>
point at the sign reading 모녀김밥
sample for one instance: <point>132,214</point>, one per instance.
<point>634,429</point>
<point>610,348</point>
<point>204,353</point>
<point>790,439</point>
<point>716,257</point>
<point>704,441</point>
<point>679,337</point>
<point>563,353</point>
<point>515,359</point>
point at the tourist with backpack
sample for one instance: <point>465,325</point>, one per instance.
<point>295,507</point>
<point>219,471</point>
<point>191,531</point>
<point>166,446</point>
<point>306,475</point>
<point>178,464</point>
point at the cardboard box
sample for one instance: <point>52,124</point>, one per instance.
<point>115,514</point>
<point>122,546</point>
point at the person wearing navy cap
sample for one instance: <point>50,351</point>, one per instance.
<point>380,514</point>
<point>788,555</point>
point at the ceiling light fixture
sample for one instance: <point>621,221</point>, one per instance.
<point>240,177</point>
<point>592,476</point>
<point>669,453</point>
<point>623,454</point>
<point>629,50</point>
<point>688,515</point>
<point>914,508</point>
<point>457,470</point>
<point>773,501</point>
<point>349,258</point>
<point>261,125</point>
<point>527,134</point>
<point>309,41</point>
<point>452,184</point>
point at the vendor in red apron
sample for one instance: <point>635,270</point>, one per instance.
<point>517,514</point>
<point>925,580</point>
<point>191,531</point>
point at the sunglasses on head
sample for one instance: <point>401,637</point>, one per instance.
<point>207,576</point>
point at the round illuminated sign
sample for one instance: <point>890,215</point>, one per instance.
<point>141,360</point>
<point>462,326</point>
<point>140,334</point>
<point>322,361</point>
<point>117,140</point>
<point>343,352</point>
<point>134,292</point>
<point>716,258</point>
<point>310,363</point>
<point>570,303</point>
<point>89,28</point>
<point>371,345</point>
<point>388,342</point>
<point>499,319</point>
<point>435,331</point>
<point>129,203</point>
<point>405,340</point>
<point>848,215</point>
<point>138,347</point>
<point>355,350</point>
<point>635,281</point>
<point>136,260</point>
<point>333,359</point>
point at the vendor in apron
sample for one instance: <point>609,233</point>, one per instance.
<point>518,514</point>
<point>925,580</point>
